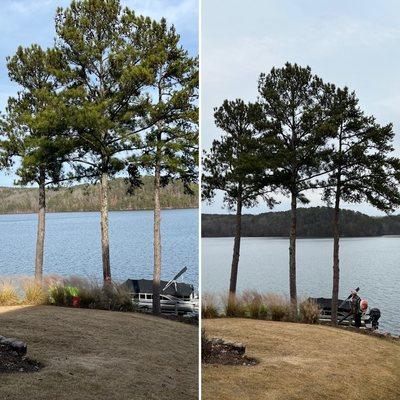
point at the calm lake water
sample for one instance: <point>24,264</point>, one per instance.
<point>73,244</point>
<point>373,264</point>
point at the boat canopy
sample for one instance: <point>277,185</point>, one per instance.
<point>326,304</point>
<point>146,286</point>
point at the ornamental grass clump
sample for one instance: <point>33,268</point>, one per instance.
<point>8,294</point>
<point>254,305</point>
<point>34,294</point>
<point>235,308</point>
<point>209,307</point>
<point>116,298</point>
<point>57,295</point>
<point>309,311</point>
<point>278,307</point>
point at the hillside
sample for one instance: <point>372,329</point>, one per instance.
<point>85,198</point>
<point>311,222</point>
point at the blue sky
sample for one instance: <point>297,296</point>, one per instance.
<point>353,43</point>
<point>23,22</point>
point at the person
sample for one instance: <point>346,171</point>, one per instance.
<point>356,308</point>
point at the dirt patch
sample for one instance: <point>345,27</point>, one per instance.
<point>10,361</point>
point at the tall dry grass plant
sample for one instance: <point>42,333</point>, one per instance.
<point>278,307</point>
<point>309,311</point>
<point>209,307</point>
<point>34,294</point>
<point>253,304</point>
<point>233,308</point>
<point>8,294</point>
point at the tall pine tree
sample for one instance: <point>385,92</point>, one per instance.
<point>108,74</point>
<point>293,101</point>
<point>360,167</point>
<point>236,165</point>
<point>170,147</point>
<point>35,128</point>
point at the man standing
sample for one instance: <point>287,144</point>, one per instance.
<point>356,308</point>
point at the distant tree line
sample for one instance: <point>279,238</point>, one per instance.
<point>116,94</point>
<point>85,197</point>
<point>301,134</point>
<point>313,222</point>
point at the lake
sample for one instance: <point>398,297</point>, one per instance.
<point>72,244</point>
<point>373,264</point>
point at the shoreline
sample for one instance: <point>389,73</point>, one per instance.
<point>300,237</point>
<point>96,211</point>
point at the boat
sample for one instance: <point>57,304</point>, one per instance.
<point>369,318</point>
<point>175,297</point>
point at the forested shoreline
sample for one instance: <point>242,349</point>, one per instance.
<point>14,200</point>
<point>312,222</point>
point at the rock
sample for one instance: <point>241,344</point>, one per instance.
<point>20,347</point>
<point>14,345</point>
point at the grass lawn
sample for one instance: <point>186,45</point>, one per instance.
<point>94,354</point>
<point>304,362</point>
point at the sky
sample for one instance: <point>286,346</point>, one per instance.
<point>353,43</point>
<point>24,22</point>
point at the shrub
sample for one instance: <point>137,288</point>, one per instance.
<point>278,307</point>
<point>69,293</point>
<point>92,294</point>
<point>34,294</point>
<point>208,306</point>
<point>8,294</point>
<point>253,304</point>
<point>309,311</point>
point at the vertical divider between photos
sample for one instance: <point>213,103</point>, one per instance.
<point>199,180</point>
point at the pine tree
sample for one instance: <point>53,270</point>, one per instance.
<point>35,128</point>
<point>360,166</point>
<point>170,148</point>
<point>108,76</point>
<point>236,165</point>
<point>293,102</point>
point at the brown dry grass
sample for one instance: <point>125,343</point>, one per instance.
<point>96,355</point>
<point>302,362</point>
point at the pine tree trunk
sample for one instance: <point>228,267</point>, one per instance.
<point>336,237</point>
<point>292,254</point>
<point>41,228</point>
<point>336,270</point>
<point>157,242</point>
<point>105,241</point>
<point>236,254</point>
